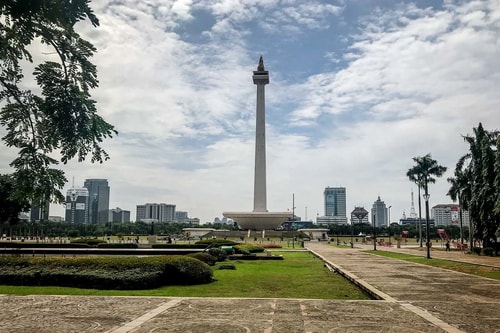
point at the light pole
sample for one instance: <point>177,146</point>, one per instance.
<point>419,217</point>
<point>374,235</point>
<point>389,225</point>
<point>293,220</point>
<point>427,233</point>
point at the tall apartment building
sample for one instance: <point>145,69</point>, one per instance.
<point>449,214</point>
<point>379,213</point>
<point>153,211</point>
<point>118,215</point>
<point>335,206</point>
<point>98,205</point>
<point>39,214</point>
<point>335,201</point>
<point>77,200</point>
<point>181,216</point>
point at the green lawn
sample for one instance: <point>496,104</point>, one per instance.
<point>478,270</point>
<point>300,275</point>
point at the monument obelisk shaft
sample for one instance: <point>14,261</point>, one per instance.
<point>259,218</point>
<point>260,78</point>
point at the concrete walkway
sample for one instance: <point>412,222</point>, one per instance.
<point>414,298</point>
<point>452,301</point>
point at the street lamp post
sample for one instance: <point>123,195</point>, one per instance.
<point>427,233</point>
<point>293,220</point>
<point>352,234</point>
<point>374,235</point>
<point>419,217</point>
<point>389,225</point>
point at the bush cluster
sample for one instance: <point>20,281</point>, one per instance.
<point>476,250</point>
<point>88,241</point>
<point>178,246</point>
<point>17,245</point>
<point>488,251</point>
<point>104,272</point>
<point>118,245</point>
<point>248,248</point>
<point>218,253</point>
<point>271,246</point>
<point>216,241</point>
<point>205,257</point>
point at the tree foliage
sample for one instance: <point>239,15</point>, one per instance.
<point>425,171</point>
<point>477,183</point>
<point>10,208</point>
<point>60,119</point>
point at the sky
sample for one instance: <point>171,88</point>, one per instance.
<point>357,89</point>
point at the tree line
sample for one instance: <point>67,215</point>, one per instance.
<point>475,183</point>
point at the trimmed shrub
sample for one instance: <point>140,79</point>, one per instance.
<point>218,253</point>
<point>16,245</point>
<point>205,257</point>
<point>476,250</point>
<point>178,246</point>
<point>216,241</point>
<point>248,248</point>
<point>88,241</point>
<point>118,245</point>
<point>271,246</point>
<point>488,251</point>
<point>104,272</point>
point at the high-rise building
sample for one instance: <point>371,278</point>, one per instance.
<point>77,200</point>
<point>449,214</point>
<point>158,212</point>
<point>118,215</point>
<point>335,201</point>
<point>98,205</point>
<point>335,206</point>
<point>379,213</point>
<point>181,216</point>
<point>39,214</point>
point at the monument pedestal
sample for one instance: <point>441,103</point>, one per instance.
<point>258,220</point>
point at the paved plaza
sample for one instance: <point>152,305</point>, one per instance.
<point>414,298</point>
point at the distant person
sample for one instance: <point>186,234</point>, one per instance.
<point>447,245</point>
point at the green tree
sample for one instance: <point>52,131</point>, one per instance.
<point>61,118</point>
<point>414,174</point>
<point>482,169</point>
<point>426,170</point>
<point>460,190</point>
<point>10,207</point>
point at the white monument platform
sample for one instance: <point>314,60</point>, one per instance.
<point>259,220</point>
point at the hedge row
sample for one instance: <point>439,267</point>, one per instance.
<point>104,272</point>
<point>118,245</point>
<point>178,246</point>
<point>17,245</point>
<point>216,241</point>
<point>88,241</point>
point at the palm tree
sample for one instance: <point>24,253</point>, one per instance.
<point>425,171</point>
<point>414,176</point>
<point>483,174</point>
<point>460,190</point>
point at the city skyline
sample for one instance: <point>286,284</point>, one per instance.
<point>358,89</point>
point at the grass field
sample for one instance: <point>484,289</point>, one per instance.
<point>483,271</point>
<point>299,275</point>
